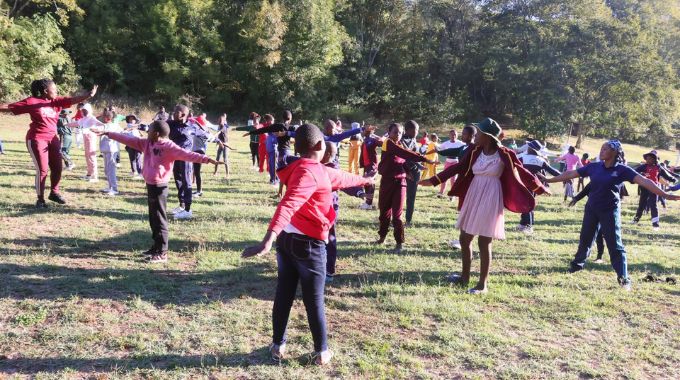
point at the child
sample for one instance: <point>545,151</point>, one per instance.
<point>85,124</point>
<point>79,133</point>
<point>452,143</point>
<point>584,161</point>
<point>354,152</point>
<point>42,141</point>
<point>300,227</point>
<point>599,240</point>
<point>603,210</point>
<point>393,184</point>
<point>65,135</point>
<point>431,169</point>
<point>159,155</point>
<point>132,130</point>
<point>369,162</point>
<point>255,154</point>
<point>408,141</point>
<point>109,147</point>
<point>182,132</point>
<point>537,165</point>
<point>200,146</point>
<point>652,171</point>
<point>223,149</point>
<point>572,162</point>
<point>491,178</point>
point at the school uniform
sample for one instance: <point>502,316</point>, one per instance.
<point>66,136</point>
<point>354,153</point>
<point>535,165</point>
<point>648,200</point>
<point>603,212</point>
<point>369,162</point>
<point>393,187</point>
<point>452,159</point>
<point>183,135</point>
<point>414,170</point>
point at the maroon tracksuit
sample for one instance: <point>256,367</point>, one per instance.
<point>369,161</point>
<point>393,188</point>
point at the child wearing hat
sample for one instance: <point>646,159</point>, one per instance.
<point>486,185</point>
<point>300,229</point>
<point>603,209</point>
<point>648,200</point>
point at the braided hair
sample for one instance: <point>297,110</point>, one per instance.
<point>39,87</point>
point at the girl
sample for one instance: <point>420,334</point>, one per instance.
<point>393,184</point>
<point>85,124</point>
<point>490,177</point>
<point>452,143</point>
<point>584,161</point>
<point>572,162</point>
<point>654,172</point>
<point>223,150</point>
<point>109,148</point>
<point>603,209</point>
<point>42,141</point>
<point>300,228</point>
<point>432,146</point>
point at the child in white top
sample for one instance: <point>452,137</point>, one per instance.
<point>109,148</point>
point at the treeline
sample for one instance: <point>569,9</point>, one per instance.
<point>610,67</point>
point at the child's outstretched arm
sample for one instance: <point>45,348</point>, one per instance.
<point>301,186</point>
<point>571,174</point>
<point>581,195</point>
<point>529,180</point>
<point>133,142</point>
<point>652,187</point>
<point>342,180</point>
<point>341,136</point>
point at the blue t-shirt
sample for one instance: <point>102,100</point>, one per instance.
<point>604,193</point>
<point>271,142</point>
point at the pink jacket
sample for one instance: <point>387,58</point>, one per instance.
<point>308,202</point>
<point>158,156</point>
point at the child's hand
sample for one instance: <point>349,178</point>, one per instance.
<point>214,162</point>
<point>547,191</point>
<point>246,134</point>
<point>99,132</point>
<point>261,248</point>
<point>425,182</point>
<point>672,197</point>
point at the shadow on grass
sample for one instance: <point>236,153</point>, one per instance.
<point>157,286</point>
<point>32,366</point>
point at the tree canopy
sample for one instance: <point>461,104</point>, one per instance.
<point>611,67</point>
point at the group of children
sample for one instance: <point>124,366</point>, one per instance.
<point>487,178</point>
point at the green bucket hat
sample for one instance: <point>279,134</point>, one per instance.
<point>490,128</point>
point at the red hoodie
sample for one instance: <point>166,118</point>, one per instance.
<point>308,202</point>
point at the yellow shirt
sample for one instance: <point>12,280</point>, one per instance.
<point>432,156</point>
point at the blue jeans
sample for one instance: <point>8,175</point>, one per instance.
<point>610,223</point>
<point>300,259</point>
<point>271,161</point>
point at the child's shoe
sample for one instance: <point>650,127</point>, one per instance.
<point>278,351</point>
<point>183,215</point>
<point>105,190</point>
<point>158,257</point>
<point>177,210</point>
<point>112,193</point>
<point>57,198</point>
<point>40,204</point>
<point>93,180</point>
<point>323,358</point>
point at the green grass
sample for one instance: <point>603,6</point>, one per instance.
<point>77,301</point>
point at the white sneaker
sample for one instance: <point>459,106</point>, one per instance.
<point>528,230</point>
<point>183,215</point>
<point>117,165</point>
<point>177,210</point>
<point>454,244</point>
<point>105,190</point>
<point>366,206</point>
<point>112,193</point>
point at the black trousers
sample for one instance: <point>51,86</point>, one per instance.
<point>157,198</point>
<point>135,160</point>
<point>183,172</point>
<point>197,175</point>
<point>254,147</point>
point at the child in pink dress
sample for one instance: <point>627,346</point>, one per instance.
<point>491,178</point>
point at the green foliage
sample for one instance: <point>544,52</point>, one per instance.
<point>31,49</point>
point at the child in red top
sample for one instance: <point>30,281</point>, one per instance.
<point>393,184</point>
<point>42,141</point>
<point>584,162</point>
<point>300,227</point>
<point>159,156</point>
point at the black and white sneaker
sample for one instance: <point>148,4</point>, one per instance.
<point>40,204</point>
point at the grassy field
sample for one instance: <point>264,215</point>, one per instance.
<point>76,301</point>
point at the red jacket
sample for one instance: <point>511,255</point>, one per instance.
<point>517,182</point>
<point>393,158</point>
<point>308,202</point>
